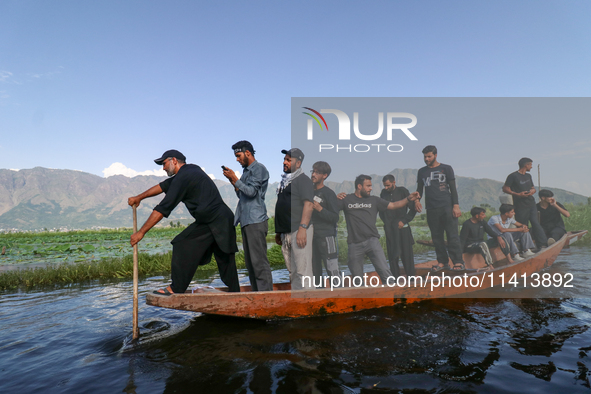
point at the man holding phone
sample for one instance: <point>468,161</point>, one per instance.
<point>251,213</point>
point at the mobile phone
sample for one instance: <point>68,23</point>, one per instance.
<point>224,168</point>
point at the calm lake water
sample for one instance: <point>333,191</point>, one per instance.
<point>77,339</point>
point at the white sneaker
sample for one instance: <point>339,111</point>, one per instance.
<point>528,253</point>
<point>551,241</point>
<point>517,258</point>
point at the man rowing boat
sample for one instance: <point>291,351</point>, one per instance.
<point>212,232</point>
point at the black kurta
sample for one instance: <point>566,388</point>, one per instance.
<point>213,231</point>
<point>192,186</point>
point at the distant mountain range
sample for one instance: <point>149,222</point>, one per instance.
<point>46,198</point>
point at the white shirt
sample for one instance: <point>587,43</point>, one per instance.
<point>497,220</point>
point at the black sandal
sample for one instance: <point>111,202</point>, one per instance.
<point>437,268</point>
<point>163,292</point>
<point>459,267</point>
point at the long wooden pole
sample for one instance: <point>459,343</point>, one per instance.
<point>539,188</point>
<point>136,329</point>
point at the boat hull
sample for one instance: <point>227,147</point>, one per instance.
<point>282,303</point>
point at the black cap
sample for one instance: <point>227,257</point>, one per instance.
<point>170,153</point>
<point>294,152</point>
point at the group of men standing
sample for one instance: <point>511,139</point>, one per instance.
<point>306,216</point>
<point>313,210</point>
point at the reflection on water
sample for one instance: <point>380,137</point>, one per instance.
<point>77,339</point>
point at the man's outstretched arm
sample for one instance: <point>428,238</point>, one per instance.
<point>151,192</point>
<point>154,218</point>
<point>402,203</point>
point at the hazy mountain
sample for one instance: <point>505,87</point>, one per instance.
<point>46,198</point>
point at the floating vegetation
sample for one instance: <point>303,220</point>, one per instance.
<point>78,246</point>
<point>108,268</point>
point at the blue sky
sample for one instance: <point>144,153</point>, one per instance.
<point>84,85</point>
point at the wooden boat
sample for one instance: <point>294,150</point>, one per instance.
<point>282,303</point>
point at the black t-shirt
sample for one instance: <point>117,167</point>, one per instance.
<point>521,183</point>
<point>405,214</point>
<point>474,232</point>
<point>290,204</point>
<point>550,217</point>
<point>361,214</point>
<point>436,180</point>
<point>326,220</point>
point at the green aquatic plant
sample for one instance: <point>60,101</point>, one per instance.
<point>580,219</point>
<point>108,268</point>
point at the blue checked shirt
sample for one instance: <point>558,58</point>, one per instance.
<point>252,187</point>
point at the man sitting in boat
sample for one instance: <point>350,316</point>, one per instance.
<point>472,235</point>
<point>511,230</point>
<point>361,210</point>
<point>213,231</point>
<point>551,213</point>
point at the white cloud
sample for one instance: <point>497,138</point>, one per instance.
<point>121,169</point>
<point>14,169</point>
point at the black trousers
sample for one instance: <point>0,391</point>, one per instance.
<point>530,215</point>
<point>324,249</point>
<point>440,221</point>
<point>556,233</point>
<point>193,247</point>
<point>399,246</point>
